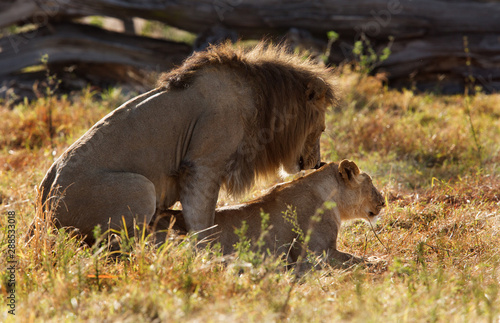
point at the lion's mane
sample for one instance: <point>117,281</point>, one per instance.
<point>283,85</point>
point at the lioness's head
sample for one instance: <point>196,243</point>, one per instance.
<point>357,198</point>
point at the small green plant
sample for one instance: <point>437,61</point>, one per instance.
<point>469,82</point>
<point>290,216</point>
<point>303,238</point>
<point>245,251</point>
<point>52,82</point>
<point>264,230</point>
<point>97,249</point>
<point>332,38</point>
<point>51,85</point>
<point>242,247</point>
<point>367,58</point>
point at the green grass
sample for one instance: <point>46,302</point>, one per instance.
<point>440,231</point>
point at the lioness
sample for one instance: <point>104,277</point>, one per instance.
<point>351,190</point>
<point>222,118</point>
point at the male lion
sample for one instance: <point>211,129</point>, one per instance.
<point>351,190</point>
<point>221,119</point>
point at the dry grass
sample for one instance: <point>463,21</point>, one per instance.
<point>441,227</point>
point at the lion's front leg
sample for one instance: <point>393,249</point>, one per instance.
<point>199,190</point>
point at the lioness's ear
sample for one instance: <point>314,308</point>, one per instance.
<point>316,89</point>
<point>348,169</point>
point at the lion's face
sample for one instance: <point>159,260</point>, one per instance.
<point>308,158</point>
<point>311,156</point>
<point>371,200</point>
<point>359,199</point>
<point>309,153</point>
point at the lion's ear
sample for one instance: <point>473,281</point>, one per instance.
<point>316,89</point>
<point>348,169</point>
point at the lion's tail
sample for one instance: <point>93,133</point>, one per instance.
<point>42,204</point>
<point>46,186</point>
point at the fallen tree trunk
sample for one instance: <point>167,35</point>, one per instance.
<point>375,18</point>
<point>428,49</point>
<point>81,54</point>
<point>68,42</point>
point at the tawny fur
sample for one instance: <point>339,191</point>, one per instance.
<point>352,192</point>
<point>221,119</point>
